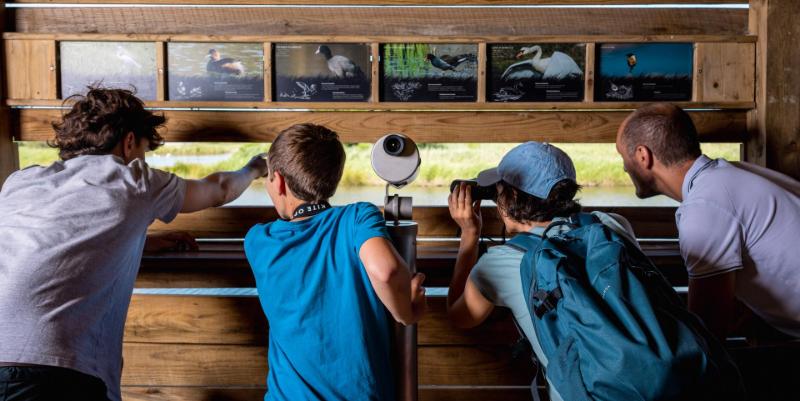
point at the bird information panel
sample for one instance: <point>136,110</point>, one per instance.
<point>322,72</point>
<point>121,65</point>
<point>418,72</point>
<point>644,71</point>
<point>550,72</point>
<point>215,71</point>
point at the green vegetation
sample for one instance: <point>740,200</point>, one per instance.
<point>596,164</point>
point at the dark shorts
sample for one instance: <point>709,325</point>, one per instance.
<point>46,383</point>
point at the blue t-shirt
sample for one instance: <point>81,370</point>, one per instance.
<point>329,332</point>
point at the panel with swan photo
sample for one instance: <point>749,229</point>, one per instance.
<point>644,72</point>
<point>121,65</point>
<point>322,72</point>
<point>552,72</point>
<point>422,72</point>
<point>215,71</point>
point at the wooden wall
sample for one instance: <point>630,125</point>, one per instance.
<point>182,347</point>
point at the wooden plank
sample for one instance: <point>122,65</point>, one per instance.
<point>31,69</point>
<point>240,321</point>
<point>161,66</point>
<point>268,78</point>
<point>599,37</point>
<point>588,88</point>
<point>435,221</point>
<point>193,365</point>
<point>395,21</point>
<point>780,99</point>
<point>375,72</point>
<point>9,160</point>
<point>401,106</point>
<point>389,2</point>
<point>755,147</point>
<point>482,62</point>
<point>426,393</point>
<point>725,72</point>
<point>239,365</point>
<point>423,126</point>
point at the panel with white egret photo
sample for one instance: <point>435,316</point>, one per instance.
<point>322,72</point>
<point>429,72</point>
<point>644,71</point>
<point>536,72</point>
<point>215,71</point>
<point>121,65</point>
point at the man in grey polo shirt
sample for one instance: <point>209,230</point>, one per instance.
<point>738,223</point>
<point>72,240</point>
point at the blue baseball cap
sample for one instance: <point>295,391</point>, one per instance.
<point>532,167</point>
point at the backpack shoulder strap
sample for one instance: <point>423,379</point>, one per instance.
<point>524,242</point>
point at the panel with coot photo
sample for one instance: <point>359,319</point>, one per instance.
<point>122,65</point>
<point>532,72</point>
<point>429,72</point>
<point>215,71</point>
<point>316,72</point>
<point>644,72</point>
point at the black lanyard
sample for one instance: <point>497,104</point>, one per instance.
<point>310,209</point>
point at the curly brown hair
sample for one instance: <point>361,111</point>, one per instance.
<point>99,120</point>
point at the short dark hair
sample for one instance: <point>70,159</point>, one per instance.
<point>310,158</point>
<point>664,128</point>
<point>99,120</point>
<point>524,207</point>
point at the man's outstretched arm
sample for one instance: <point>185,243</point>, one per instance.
<point>222,187</point>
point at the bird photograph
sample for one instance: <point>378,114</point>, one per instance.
<point>227,65</point>
<point>215,71</point>
<point>630,58</point>
<point>547,72</point>
<point>336,71</point>
<point>338,65</point>
<point>124,65</point>
<point>441,72</point>
<point>644,71</point>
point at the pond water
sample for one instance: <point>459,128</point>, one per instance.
<point>256,195</point>
<point>168,160</point>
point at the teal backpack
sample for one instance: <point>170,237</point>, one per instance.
<point>610,324</point>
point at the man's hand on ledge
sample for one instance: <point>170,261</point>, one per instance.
<point>170,241</point>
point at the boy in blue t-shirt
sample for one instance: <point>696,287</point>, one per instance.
<point>325,277</point>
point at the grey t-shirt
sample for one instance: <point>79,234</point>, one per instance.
<point>497,277</point>
<point>72,239</point>
<point>745,218</point>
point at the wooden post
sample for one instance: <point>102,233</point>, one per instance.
<point>775,124</point>
<point>9,159</point>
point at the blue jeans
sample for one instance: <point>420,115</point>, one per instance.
<point>47,383</point>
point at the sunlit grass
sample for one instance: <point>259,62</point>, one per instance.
<point>596,164</point>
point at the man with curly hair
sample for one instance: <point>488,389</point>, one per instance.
<point>73,236</point>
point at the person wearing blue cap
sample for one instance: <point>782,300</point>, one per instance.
<point>535,186</point>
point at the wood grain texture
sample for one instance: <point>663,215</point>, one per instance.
<point>406,21</point>
<point>193,365</point>
<point>755,147</point>
<point>423,126</point>
<point>588,84</point>
<point>725,72</point>
<point>435,221</point>
<point>31,69</point>
<point>161,68</point>
<point>388,2</point>
<point>426,393</point>
<point>240,321</point>
<point>598,37</point>
<point>239,365</point>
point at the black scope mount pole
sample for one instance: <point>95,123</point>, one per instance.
<point>403,232</point>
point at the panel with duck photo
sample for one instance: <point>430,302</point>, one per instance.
<point>215,71</point>
<point>306,72</point>
<point>124,65</point>
<point>536,72</point>
<point>419,72</point>
<point>644,72</point>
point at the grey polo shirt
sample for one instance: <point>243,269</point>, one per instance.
<point>745,218</point>
<point>72,236</point>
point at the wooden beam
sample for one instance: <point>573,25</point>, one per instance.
<point>776,121</point>
<point>410,22</point>
<point>9,160</point>
<point>597,37</point>
<point>391,2</point>
<point>426,393</point>
<point>423,126</point>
